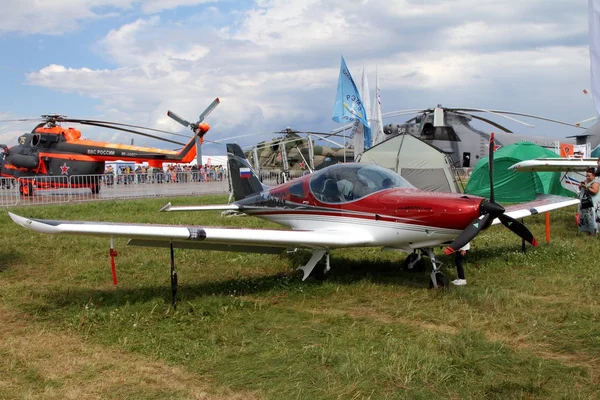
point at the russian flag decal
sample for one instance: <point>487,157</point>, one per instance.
<point>245,173</point>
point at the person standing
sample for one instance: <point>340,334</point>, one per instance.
<point>459,257</point>
<point>588,206</point>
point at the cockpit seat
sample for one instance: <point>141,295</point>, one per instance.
<point>331,193</point>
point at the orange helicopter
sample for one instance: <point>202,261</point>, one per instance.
<point>51,151</point>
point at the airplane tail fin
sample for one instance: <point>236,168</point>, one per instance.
<point>244,181</point>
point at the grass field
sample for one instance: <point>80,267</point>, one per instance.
<point>247,327</point>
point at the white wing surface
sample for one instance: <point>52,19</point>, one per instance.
<point>555,164</point>
<point>542,204</point>
<point>199,237</point>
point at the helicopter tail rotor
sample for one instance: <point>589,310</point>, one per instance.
<point>197,127</point>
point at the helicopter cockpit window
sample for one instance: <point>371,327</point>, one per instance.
<point>348,182</point>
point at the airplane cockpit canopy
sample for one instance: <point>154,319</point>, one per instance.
<point>348,182</point>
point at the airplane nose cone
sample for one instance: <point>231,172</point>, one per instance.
<point>488,207</point>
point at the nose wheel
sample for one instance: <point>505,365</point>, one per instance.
<point>438,280</point>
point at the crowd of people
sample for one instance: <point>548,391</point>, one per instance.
<point>173,173</point>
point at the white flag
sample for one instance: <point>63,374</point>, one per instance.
<point>376,119</point>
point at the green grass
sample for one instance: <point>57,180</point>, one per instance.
<point>526,326</point>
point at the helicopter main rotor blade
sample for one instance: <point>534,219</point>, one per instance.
<point>523,115</point>
<point>21,120</point>
<point>489,121</point>
<point>405,112</point>
<point>134,132</point>
<point>82,121</point>
<point>494,112</point>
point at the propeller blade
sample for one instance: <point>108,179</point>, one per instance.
<point>178,119</point>
<point>469,233</point>
<point>208,110</point>
<point>491,166</point>
<point>518,228</point>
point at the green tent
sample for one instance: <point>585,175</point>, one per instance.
<point>511,186</point>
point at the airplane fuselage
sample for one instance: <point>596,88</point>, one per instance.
<point>402,217</point>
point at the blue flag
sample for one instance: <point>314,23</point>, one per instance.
<point>348,104</point>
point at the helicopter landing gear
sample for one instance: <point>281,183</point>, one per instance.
<point>26,189</point>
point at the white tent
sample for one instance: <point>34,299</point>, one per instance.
<point>421,164</point>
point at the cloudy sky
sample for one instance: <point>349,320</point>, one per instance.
<point>275,63</point>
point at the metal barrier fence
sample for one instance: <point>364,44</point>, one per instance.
<point>78,188</point>
<point>272,178</point>
<point>9,192</point>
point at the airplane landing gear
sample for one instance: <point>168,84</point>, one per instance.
<point>173,279</point>
<point>438,280</point>
<point>317,255</point>
<point>414,262</point>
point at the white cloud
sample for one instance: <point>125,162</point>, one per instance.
<point>277,64</point>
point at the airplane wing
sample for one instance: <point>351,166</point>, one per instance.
<point>543,203</point>
<point>217,207</point>
<point>199,237</point>
<point>555,164</point>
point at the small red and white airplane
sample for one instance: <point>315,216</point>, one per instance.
<point>344,205</point>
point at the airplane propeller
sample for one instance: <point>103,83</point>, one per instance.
<point>490,210</point>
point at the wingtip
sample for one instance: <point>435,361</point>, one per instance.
<point>17,219</point>
<point>166,207</point>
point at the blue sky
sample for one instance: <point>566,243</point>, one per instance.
<point>275,63</point>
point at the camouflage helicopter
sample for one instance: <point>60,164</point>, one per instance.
<point>296,151</point>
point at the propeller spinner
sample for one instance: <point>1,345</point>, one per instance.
<point>489,210</point>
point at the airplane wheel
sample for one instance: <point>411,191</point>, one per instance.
<point>319,273</point>
<point>442,281</point>
<point>95,189</point>
<point>418,267</point>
